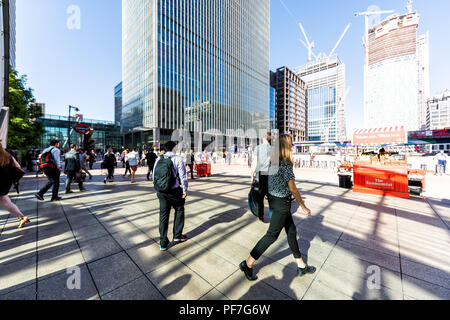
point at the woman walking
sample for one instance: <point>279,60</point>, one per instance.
<point>281,189</point>
<point>133,161</point>
<point>109,162</point>
<point>7,165</point>
<point>126,163</point>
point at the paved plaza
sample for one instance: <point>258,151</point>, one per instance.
<point>364,246</point>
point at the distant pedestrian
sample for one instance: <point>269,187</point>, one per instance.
<point>73,168</point>
<point>229,158</point>
<point>109,163</point>
<point>171,184</point>
<point>133,160</point>
<point>260,172</point>
<point>91,160</point>
<point>29,160</point>
<point>281,189</point>
<point>51,165</point>
<point>7,164</point>
<point>125,161</point>
<point>151,160</point>
<point>83,162</point>
<point>191,163</point>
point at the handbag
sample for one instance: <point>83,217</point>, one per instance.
<point>16,173</point>
<point>80,176</point>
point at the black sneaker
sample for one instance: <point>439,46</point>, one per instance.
<point>56,199</point>
<point>247,271</point>
<point>306,270</point>
<point>70,191</point>
<point>39,197</point>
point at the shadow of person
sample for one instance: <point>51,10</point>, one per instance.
<point>259,290</point>
<point>176,286</point>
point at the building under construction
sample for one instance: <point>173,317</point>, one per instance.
<point>396,74</point>
<point>325,79</point>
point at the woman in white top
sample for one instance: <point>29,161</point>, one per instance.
<point>133,159</point>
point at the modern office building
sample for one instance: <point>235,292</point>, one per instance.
<point>438,111</point>
<point>396,74</point>
<point>12,33</point>
<point>118,103</point>
<point>325,79</point>
<point>194,65</point>
<point>272,108</point>
<point>106,133</point>
<point>38,105</point>
<point>291,107</point>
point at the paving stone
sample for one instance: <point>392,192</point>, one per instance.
<point>208,265</point>
<point>426,273</point>
<point>23,294</point>
<point>422,290</point>
<point>237,287</point>
<point>52,262</point>
<point>63,286</point>
<point>17,274</point>
<point>90,232</point>
<point>139,289</point>
<point>320,291</point>
<point>214,294</point>
<point>112,272</point>
<point>148,256</point>
<point>99,248</point>
<point>131,238</point>
<point>177,282</point>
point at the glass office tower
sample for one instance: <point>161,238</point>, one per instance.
<point>198,65</point>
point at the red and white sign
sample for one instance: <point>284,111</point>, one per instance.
<point>377,136</point>
<point>82,128</point>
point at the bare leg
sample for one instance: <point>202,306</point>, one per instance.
<point>250,262</point>
<point>6,202</point>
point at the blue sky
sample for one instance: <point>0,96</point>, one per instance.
<point>81,67</point>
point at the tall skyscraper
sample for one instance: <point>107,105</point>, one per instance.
<point>291,103</point>
<point>396,76</point>
<point>194,65</point>
<point>325,79</point>
<point>118,103</point>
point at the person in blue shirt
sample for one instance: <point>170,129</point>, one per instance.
<point>53,174</point>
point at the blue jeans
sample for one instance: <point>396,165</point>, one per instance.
<point>442,163</point>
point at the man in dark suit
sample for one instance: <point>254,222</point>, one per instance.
<point>72,167</point>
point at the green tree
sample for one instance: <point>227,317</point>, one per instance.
<point>24,130</point>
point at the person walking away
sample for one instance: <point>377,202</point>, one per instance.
<point>151,160</point>
<point>109,163</point>
<point>171,184</point>
<point>72,167</point>
<point>127,164</point>
<point>281,189</point>
<point>442,161</point>
<point>29,161</point>
<point>260,171</point>
<point>191,163</point>
<point>83,162</point>
<point>229,158</point>
<point>133,161</point>
<point>7,164</point>
<point>92,158</point>
<point>51,165</point>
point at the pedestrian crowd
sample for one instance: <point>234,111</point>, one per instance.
<point>272,177</point>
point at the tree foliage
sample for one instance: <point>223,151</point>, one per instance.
<point>24,130</point>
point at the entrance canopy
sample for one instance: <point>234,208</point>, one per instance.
<point>380,136</point>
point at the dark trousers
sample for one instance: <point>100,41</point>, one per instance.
<point>91,163</point>
<point>263,182</point>
<point>191,170</point>
<point>167,201</point>
<point>71,177</point>
<point>128,169</point>
<point>110,173</point>
<point>53,180</point>
<point>150,170</point>
<point>281,218</point>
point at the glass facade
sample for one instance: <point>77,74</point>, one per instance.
<point>200,65</point>
<point>321,109</point>
<point>106,133</point>
<point>273,103</point>
<point>118,103</point>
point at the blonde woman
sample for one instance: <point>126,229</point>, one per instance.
<point>281,189</point>
<point>7,164</point>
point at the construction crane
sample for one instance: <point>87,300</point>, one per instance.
<point>366,14</point>
<point>309,45</point>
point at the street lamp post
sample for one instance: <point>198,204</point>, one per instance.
<point>76,110</point>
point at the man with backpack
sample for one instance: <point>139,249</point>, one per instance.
<point>170,182</point>
<point>51,165</point>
